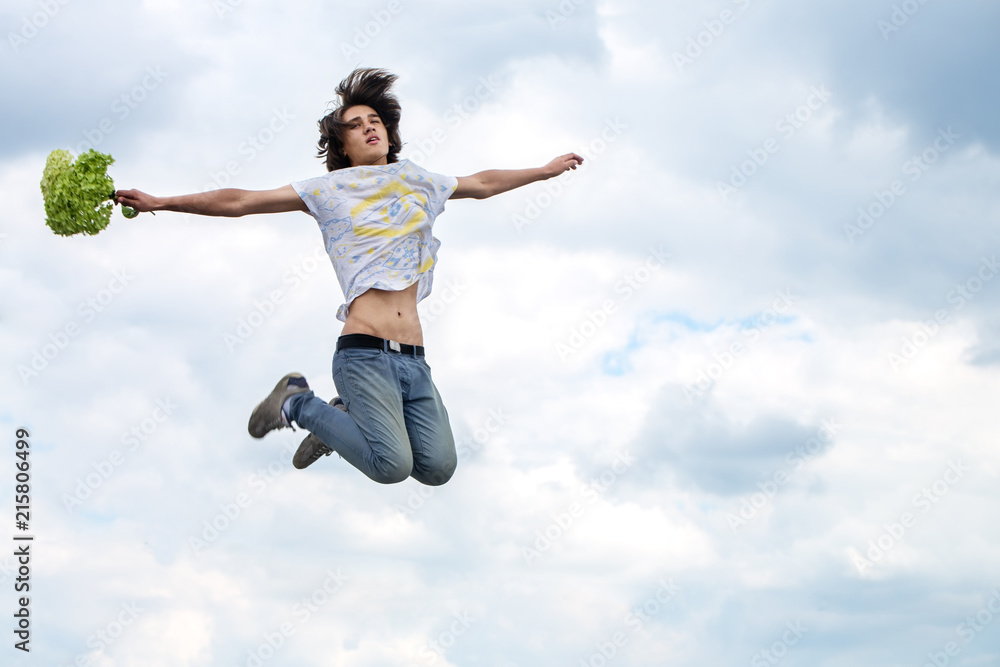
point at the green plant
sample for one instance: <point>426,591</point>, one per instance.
<point>79,196</point>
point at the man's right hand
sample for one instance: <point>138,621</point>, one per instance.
<point>138,200</point>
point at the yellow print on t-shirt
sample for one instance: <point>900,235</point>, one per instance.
<point>392,211</point>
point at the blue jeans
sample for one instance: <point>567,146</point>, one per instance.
<point>396,425</point>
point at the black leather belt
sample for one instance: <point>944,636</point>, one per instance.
<point>364,340</point>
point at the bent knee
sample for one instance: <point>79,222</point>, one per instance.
<point>438,475</point>
<point>392,471</point>
<point>390,477</point>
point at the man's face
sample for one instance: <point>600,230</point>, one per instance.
<point>366,140</point>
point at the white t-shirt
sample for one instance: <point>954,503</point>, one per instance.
<point>376,223</point>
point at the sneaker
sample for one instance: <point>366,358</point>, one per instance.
<point>268,415</point>
<point>312,448</point>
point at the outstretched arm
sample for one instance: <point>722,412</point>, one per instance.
<point>493,182</point>
<point>228,202</point>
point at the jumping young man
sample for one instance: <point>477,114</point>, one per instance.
<point>376,213</point>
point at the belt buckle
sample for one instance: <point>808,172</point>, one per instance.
<point>394,346</point>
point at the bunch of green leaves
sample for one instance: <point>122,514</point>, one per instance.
<point>79,196</point>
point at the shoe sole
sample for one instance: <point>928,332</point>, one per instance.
<point>266,417</point>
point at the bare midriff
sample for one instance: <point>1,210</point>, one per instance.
<point>386,314</point>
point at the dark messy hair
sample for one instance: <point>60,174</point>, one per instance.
<point>371,87</point>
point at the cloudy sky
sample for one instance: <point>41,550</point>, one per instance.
<point>722,396</point>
